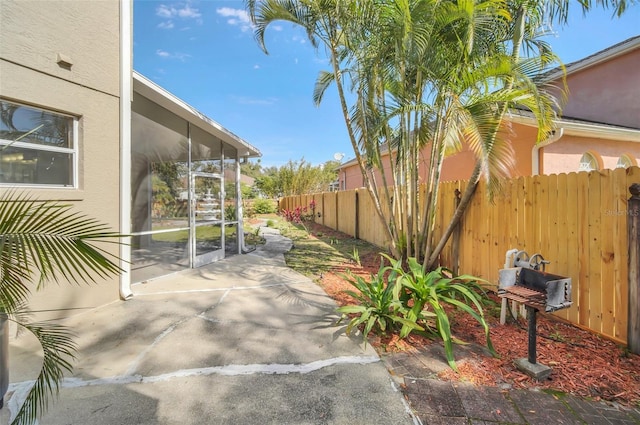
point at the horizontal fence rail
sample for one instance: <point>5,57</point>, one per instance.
<point>578,221</point>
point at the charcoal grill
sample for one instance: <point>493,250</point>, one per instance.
<point>529,284</point>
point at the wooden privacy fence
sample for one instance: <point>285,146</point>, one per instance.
<point>578,221</point>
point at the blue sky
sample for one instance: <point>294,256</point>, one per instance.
<point>204,52</point>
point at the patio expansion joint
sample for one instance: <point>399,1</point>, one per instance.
<point>22,388</point>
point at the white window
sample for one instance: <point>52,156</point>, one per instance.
<point>626,161</point>
<point>37,147</point>
<point>588,162</point>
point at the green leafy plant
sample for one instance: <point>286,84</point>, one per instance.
<point>355,256</point>
<point>43,242</point>
<point>414,300</point>
<point>264,206</point>
<point>230,212</point>
<point>426,293</point>
<point>378,306</point>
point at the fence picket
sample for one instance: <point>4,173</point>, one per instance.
<point>577,221</point>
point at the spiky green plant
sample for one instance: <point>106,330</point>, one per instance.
<point>42,242</point>
<point>430,291</point>
<point>377,304</point>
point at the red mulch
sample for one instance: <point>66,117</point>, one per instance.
<point>583,363</point>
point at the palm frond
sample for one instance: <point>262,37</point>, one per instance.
<point>58,352</point>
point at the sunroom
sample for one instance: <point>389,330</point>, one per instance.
<point>186,206</point>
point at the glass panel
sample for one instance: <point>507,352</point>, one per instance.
<point>208,238</point>
<point>159,254</point>
<point>231,239</point>
<point>230,193</point>
<point>205,152</point>
<point>208,218</point>
<point>29,166</point>
<point>160,199</point>
<point>170,195</point>
<point>159,176</point>
<point>24,124</point>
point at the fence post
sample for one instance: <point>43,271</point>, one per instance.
<point>357,223</point>
<point>633,228</point>
<point>455,239</point>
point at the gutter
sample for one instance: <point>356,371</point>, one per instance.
<point>535,152</point>
<point>126,97</point>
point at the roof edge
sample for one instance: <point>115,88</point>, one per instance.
<point>604,55</point>
<point>171,102</point>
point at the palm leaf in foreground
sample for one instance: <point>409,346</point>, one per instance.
<point>40,242</point>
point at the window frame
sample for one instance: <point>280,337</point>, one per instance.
<point>594,158</point>
<point>625,161</point>
<point>73,150</point>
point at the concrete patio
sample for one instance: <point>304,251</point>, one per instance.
<point>242,341</point>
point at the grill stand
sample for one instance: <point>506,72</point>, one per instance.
<point>529,365</point>
<point>524,280</point>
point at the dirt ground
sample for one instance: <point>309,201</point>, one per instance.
<point>583,363</point>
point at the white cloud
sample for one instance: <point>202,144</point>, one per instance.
<point>166,25</point>
<point>236,17</point>
<point>188,12</point>
<point>179,10</point>
<point>256,66</point>
<point>165,11</point>
<point>176,55</point>
<point>277,28</point>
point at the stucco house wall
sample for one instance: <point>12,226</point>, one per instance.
<point>86,35</point>
<point>607,92</point>
<point>565,157</point>
<point>460,165</point>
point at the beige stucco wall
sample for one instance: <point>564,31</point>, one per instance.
<point>607,92</point>
<point>33,33</point>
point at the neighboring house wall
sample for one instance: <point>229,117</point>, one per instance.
<point>34,35</point>
<point>607,92</point>
<point>460,165</point>
<point>564,156</point>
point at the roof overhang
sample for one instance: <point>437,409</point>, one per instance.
<point>583,129</point>
<point>156,94</point>
<point>602,56</point>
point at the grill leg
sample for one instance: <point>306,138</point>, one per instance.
<point>531,318</point>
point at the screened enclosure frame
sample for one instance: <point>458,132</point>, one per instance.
<point>186,206</point>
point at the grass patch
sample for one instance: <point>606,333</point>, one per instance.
<point>317,249</point>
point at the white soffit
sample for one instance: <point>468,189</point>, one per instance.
<point>170,102</point>
<point>583,129</point>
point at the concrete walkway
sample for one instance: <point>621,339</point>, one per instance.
<point>242,341</point>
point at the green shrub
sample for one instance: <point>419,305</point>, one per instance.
<point>264,206</point>
<point>414,300</point>
<point>230,213</point>
<point>378,308</point>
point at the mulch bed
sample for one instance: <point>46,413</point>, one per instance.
<point>583,363</point>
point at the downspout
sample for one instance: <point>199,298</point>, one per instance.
<point>535,152</point>
<point>126,97</point>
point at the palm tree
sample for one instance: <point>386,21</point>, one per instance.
<point>529,18</point>
<point>428,74</point>
<point>424,74</point>
<point>41,242</point>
